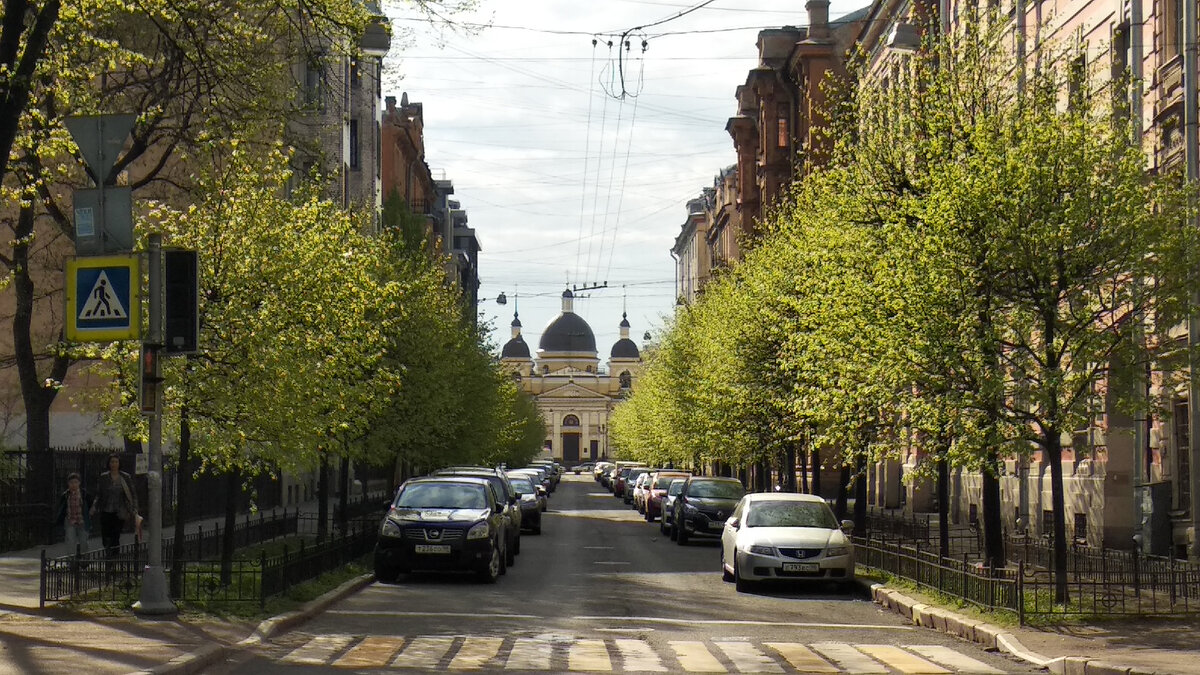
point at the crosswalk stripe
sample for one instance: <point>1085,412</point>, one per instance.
<point>848,658</point>
<point>802,658</point>
<point>638,655</point>
<point>695,657</point>
<point>747,658</point>
<point>317,651</point>
<point>426,653</point>
<point>475,652</point>
<point>961,663</point>
<point>901,660</point>
<point>588,655</point>
<point>529,654</point>
<point>372,652</point>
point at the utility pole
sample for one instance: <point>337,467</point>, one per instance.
<point>1189,150</point>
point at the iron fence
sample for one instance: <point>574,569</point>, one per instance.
<point>281,572</point>
<point>24,526</point>
<point>960,578</point>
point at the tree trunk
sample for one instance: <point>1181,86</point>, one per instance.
<point>323,499</point>
<point>802,458</point>
<point>183,511</point>
<point>993,532</point>
<point>789,467</point>
<point>1053,446</point>
<point>943,497</point>
<point>344,493</point>
<point>233,486</point>
<point>816,472</point>
<point>860,495</point>
<point>843,488</point>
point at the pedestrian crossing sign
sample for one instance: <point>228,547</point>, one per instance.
<point>102,299</point>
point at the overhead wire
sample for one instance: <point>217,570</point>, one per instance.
<point>587,149</point>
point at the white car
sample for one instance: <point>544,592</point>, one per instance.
<point>785,537</point>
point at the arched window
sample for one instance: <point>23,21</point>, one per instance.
<point>570,421</point>
<point>626,380</point>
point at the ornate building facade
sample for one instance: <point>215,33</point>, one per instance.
<point>573,392</point>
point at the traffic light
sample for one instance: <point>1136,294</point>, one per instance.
<point>181,301</point>
<point>150,378</point>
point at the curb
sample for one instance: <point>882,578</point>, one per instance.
<point>993,638</point>
<point>194,662</point>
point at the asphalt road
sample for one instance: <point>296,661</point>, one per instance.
<point>602,591</point>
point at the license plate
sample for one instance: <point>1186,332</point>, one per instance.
<point>801,567</point>
<point>716,526</point>
<point>432,548</point>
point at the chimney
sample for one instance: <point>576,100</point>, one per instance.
<point>818,19</point>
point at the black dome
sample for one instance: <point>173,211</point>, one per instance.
<point>515,349</point>
<point>568,333</point>
<point>625,349</point>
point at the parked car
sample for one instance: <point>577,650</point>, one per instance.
<point>630,481</point>
<point>540,480</point>
<point>442,524</point>
<point>601,470</point>
<point>703,505</point>
<point>551,474</point>
<point>580,468</point>
<point>656,491</point>
<point>785,536</point>
<point>618,481</point>
<point>505,494</point>
<point>531,501</point>
<point>668,505</point>
<point>639,491</point>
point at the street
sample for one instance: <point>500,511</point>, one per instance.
<point>602,591</point>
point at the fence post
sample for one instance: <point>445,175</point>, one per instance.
<point>962,589</point>
<point>42,582</point>
<point>1171,572</point>
<point>1137,575</point>
<point>262,577</point>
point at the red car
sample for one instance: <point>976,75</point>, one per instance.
<point>659,483</point>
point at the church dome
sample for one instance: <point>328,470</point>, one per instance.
<point>625,349</point>
<point>568,333</point>
<point>515,349</point>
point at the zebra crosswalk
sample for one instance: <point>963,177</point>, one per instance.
<point>448,653</point>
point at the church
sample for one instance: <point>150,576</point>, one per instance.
<point>574,394</point>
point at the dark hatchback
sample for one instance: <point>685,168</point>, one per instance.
<point>442,524</point>
<point>703,505</point>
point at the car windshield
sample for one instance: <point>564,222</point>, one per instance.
<point>676,486</point>
<point>522,484</point>
<point>664,482</point>
<point>716,489</point>
<point>790,514</point>
<point>441,496</point>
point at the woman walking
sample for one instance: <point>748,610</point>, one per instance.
<point>116,502</point>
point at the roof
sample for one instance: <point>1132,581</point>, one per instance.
<point>625,349</point>
<point>783,497</point>
<point>515,348</point>
<point>568,333</point>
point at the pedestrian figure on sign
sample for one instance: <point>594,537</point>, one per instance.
<point>101,295</point>
<point>75,513</point>
<point>116,502</point>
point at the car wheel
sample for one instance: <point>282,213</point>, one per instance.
<point>649,518</point>
<point>680,532</point>
<point>491,572</point>
<point>662,525</point>
<point>385,573</point>
<point>504,560</point>
<point>537,529</point>
<point>726,575</point>
<point>742,585</point>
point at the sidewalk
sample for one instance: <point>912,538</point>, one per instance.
<point>55,640</point>
<point>1162,646</point>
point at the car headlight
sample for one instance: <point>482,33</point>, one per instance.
<point>529,497</point>
<point>837,550</point>
<point>688,508</point>
<point>761,550</point>
<point>479,531</point>
<point>389,528</point>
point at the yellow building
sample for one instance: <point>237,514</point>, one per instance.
<point>574,394</point>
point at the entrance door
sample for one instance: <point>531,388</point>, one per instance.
<point>570,449</point>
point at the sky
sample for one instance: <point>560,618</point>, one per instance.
<point>575,166</point>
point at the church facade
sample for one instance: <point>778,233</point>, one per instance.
<point>574,394</point>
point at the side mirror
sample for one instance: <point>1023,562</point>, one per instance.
<point>734,523</point>
<point>847,526</point>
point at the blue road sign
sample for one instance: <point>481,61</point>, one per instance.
<point>102,299</point>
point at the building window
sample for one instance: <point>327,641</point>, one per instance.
<point>1172,36</point>
<point>570,421</point>
<point>626,380</point>
<point>314,81</point>
<point>782,125</point>
<point>973,514</point>
<point>1121,95</point>
<point>1080,528</point>
<point>1077,82</point>
<point>1048,524</point>
<point>354,152</point>
<point>355,74</point>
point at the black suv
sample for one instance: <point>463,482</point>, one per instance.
<point>443,524</point>
<point>703,505</point>
<point>505,494</point>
